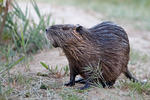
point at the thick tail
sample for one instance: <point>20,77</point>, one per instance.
<point>129,75</point>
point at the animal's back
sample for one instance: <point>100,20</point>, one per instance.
<point>105,28</point>
<point>113,44</point>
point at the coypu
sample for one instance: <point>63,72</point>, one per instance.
<point>106,44</point>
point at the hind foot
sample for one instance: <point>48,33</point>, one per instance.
<point>107,84</point>
<point>72,80</point>
<point>110,84</point>
<point>70,83</point>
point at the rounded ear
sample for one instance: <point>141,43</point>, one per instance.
<point>79,29</point>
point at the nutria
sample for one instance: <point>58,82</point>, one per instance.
<point>105,44</point>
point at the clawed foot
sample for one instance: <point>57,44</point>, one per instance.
<point>82,81</point>
<point>87,84</point>
<point>107,84</point>
<point>70,84</point>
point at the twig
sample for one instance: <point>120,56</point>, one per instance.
<point>4,17</point>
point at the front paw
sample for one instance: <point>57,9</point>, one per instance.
<point>70,84</point>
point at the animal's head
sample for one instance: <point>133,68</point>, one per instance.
<point>67,34</point>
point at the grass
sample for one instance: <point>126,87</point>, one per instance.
<point>25,34</point>
<point>27,87</point>
<point>145,89</point>
<point>21,37</point>
<point>132,12</point>
<point>137,87</point>
<point>64,71</point>
<point>94,73</point>
<point>69,94</point>
<point>20,79</point>
<point>5,76</point>
<point>138,57</point>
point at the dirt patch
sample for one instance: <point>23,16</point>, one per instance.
<point>52,58</point>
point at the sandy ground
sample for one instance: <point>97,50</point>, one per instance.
<point>72,15</point>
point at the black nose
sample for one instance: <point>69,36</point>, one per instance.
<point>46,30</point>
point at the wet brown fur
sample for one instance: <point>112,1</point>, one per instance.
<point>105,43</point>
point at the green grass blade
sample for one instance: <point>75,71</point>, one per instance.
<point>36,8</point>
<point>16,62</point>
<point>26,12</point>
<point>44,65</point>
<point>48,20</point>
<point>18,12</point>
<point>23,41</point>
<point>25,26</point>
<point>27,41</point>
<point>10,66</point>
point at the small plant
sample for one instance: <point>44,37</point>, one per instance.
<point>138,87</point>
<point>43,86</point>
<point>95,75</point>
<point>9,61</point>
<point>51,69</point>
<point>66,70</point>
<point>55,71</point>
<point>5,70</point>
<point>25,34</point>
<point>20,79</point>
